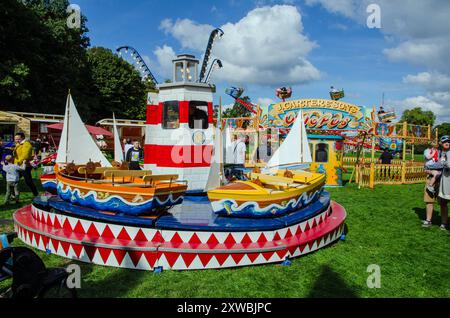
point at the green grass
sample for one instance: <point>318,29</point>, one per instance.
<point>383,229</point>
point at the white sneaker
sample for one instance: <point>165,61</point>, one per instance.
<point>443,227</point>
<point>426,223</point>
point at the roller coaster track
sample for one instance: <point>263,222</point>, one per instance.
<point>141,66</point>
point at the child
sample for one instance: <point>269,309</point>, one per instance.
<point>12,177</point>
<point>432,166</point>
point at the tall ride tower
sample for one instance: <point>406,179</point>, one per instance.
<point>179,127</point>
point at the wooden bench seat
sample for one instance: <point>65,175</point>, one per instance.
<point>126,173</point>
<point>98,170</point>
<point>160,177</point>
<point>271,179</point>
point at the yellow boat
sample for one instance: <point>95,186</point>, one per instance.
<point>267,195</point>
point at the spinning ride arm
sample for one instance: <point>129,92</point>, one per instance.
<point>140,62</point>
<point>236,94</point>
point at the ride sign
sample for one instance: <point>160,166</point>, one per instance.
<point>318,114</point>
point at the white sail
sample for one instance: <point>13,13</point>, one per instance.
<point>306,150</point>
<point>215,171</point>
<point>61,156</point>
<point>76,144</point>
<point>295,148</point>
<point>118,151</point>
<point>228,145</point>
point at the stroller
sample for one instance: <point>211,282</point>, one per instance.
<point>30,277</point>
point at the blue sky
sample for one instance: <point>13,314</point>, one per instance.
<point>327,41</point>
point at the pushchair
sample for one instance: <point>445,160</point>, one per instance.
<point>30,277</point>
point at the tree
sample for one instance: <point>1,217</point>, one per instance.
<point>443,129</point>
<point>41,58</point>
<point>118,85</point>
<point>238,110</point>
<point>417,116</point>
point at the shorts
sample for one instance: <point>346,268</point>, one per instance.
<point>429,197</point>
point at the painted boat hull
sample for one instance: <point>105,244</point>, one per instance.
<point>257,203</point>
<point>119,199</point>
<point>49,183</point>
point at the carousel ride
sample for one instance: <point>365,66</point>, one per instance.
<point>179,212</point>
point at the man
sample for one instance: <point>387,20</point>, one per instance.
<point>386,157</point>
<point>239,150</point>
<point>23,151</point>
<point>134,155</point>
<point>198,118</point>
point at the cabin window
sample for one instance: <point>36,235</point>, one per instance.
<point>179,72</point>
<point>190,72</point>
<point>321,152</point>
<point>171,115</point>
<point>198,115</point>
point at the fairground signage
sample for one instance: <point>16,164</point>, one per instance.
<point>318,114</point>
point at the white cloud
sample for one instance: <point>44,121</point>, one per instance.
<point>432,81</point>
<point>418,32</point>
<point>344,7</point>
<point>432,53</point>
<point>164,56</point>
<point>429,102</point>
<point>267,46</point>
<point>263,101</point>
<point>190,34</point>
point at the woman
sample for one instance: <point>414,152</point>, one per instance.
<point>444,187</point>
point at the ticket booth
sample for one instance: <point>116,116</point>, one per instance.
<point>327,156</point>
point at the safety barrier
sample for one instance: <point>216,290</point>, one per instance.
<point>349,162</point>
<point>369,175</point>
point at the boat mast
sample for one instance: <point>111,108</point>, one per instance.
<point>68,120</point>
<point>219,125</point>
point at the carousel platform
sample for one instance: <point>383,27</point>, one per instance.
<point>191,236</point>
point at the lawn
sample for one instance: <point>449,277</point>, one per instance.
<point>383,228</point>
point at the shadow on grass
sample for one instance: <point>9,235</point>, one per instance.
<point>117,282</point>
<point>331,285</point>
<point>422,215</point>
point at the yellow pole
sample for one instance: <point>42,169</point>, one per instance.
<point>403,172</point>
<point>373,148</point>
<point>405,134</point>
<point>372,175</point>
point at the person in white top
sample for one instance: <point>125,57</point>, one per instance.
<point>239,151</point>
<point>127,146</point>
<point>12,178</point>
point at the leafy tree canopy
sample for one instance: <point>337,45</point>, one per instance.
<point>238,110</point>
<point>443,129</point>
<point>41,58</point>
<point>417,116</point>
<point>119,85</point>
